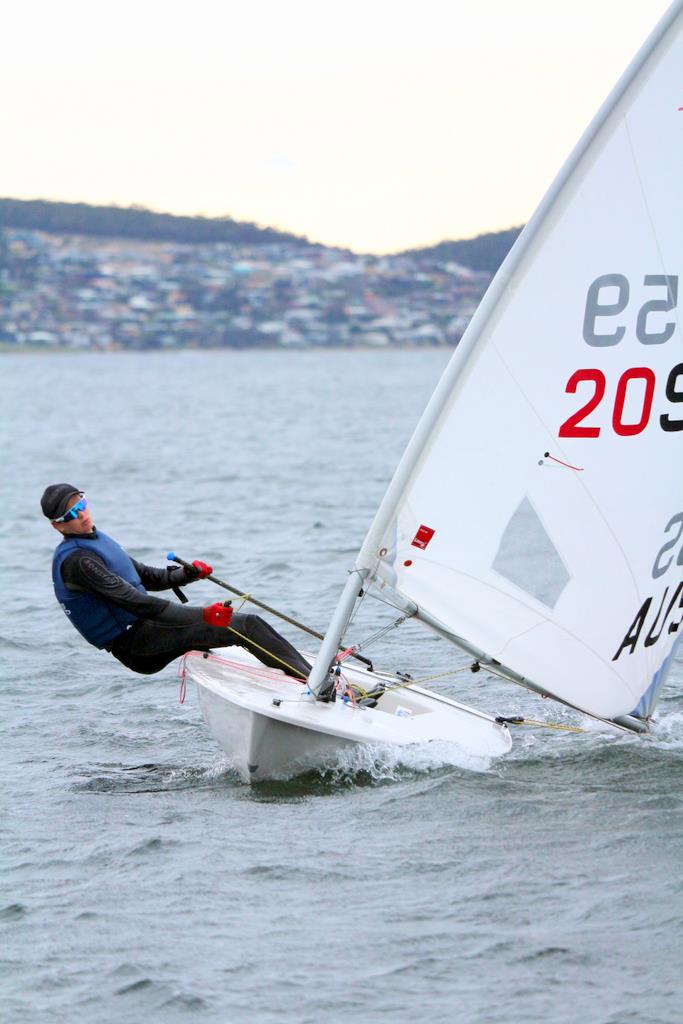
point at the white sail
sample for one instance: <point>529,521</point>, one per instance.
<point>538,511</point>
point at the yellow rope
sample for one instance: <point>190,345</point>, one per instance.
<point>408,682</point>
<point>549,725</point>
<point>252,643</point>
<point>411,682</point>
<point>439,675</point>
<point>466,668</point>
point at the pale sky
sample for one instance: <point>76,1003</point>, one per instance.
<point>377,125</point>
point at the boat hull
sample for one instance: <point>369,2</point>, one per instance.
<point>269,726</point>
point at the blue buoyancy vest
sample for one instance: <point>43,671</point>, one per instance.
<point>95,618</point>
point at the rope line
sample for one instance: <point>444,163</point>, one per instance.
<point>411,682</point>
<point>373,638</point>
<point>568,465</point>
<point>467,668</point>
<point>294,674</point>
<point>182,675</point>
<point>549,725</point>
<point>252,643</point>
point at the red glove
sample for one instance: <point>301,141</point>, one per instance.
<point>203,569</point>
<point>217,614</point>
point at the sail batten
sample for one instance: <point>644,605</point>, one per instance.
<point>537,511</point>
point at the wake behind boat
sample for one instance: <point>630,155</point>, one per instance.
<point>269,727</point>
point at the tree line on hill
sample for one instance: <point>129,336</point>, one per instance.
<point>133,222</point>
<point>485,252</point>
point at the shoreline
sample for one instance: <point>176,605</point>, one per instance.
<point>59,350</point>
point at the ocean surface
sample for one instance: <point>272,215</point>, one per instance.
<point>142,881</point>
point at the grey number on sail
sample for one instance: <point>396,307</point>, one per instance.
<point>595,308</point>
<point>658,306</point>
<point>657,569</point>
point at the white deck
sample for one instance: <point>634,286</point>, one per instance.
<point>268,726</point>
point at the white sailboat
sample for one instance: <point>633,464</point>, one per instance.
<point>536,517</point>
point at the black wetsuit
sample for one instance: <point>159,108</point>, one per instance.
<point>164,630</point>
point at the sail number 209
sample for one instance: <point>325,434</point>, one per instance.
<point>637,385</point>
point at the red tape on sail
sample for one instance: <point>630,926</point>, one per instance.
<point>422,537</point>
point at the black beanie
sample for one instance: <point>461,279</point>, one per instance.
<point>55,499</point>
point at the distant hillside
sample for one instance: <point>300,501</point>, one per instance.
<point>485,252</point>
<point>133,222</point>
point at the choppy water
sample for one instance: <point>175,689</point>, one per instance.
<point>142,881</point>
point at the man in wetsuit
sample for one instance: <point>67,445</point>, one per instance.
<point>104,593</point>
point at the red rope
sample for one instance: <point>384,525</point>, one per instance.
<point>346,654</point>
<point>579,469</point>
<point>263,672</point>
<point>182,672</point>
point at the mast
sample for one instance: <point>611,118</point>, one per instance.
<point>335,631</point>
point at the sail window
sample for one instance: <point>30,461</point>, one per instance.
<point>528,558</point>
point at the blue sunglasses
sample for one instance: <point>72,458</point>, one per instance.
<point>80,506</point>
